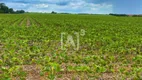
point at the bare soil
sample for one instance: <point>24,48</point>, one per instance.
<point>22,21</point>
<point>28,22</point>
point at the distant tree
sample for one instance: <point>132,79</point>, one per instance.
<point>20,11</point>
<point>3,8</point>
<point>11,10</point>
<point>1,11</point>
<point>118,14</point>
<point>6,9</point>
<point>64,13</point>
<point>1,5</point>
<point>53,12</point>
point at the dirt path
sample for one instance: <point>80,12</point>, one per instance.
<point>28,22</point>
<point>22,21</point>
<point>37,23</point>
<point>33,72</point>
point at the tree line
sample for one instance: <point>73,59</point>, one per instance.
<point>126,15</point>
<point>6,9</point>
<point>118,14</point>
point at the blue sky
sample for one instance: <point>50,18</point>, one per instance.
<point>78,6</point>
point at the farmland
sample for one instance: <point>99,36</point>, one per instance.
<point>30,47</point>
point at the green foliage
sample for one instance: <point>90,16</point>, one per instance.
<point>110,45</point>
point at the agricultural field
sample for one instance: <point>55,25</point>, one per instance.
<point>109,49</point>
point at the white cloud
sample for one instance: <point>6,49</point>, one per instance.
<point>41,5</point>
<point>83,7</point>
<point>72,6</point>
<point>17,6</point>
<point>102,8</point>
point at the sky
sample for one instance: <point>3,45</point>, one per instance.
<point>77,6</point>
